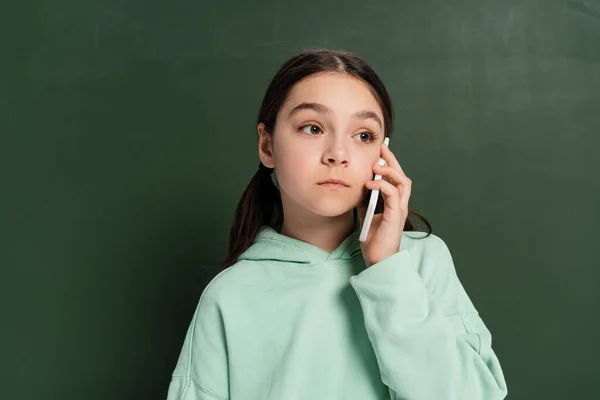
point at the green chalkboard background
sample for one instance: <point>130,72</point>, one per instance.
<point>127,135</point>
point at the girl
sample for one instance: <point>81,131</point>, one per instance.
<point>301,309</point>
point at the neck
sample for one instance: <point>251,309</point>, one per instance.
<point>326,233</point>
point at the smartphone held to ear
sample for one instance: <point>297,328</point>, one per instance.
<point>372,201</point>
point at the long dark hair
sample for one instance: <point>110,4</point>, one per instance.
<point>260,203</point>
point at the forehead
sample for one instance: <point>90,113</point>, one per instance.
<point>341,93</point>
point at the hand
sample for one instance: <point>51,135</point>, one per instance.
<point>385,233</point>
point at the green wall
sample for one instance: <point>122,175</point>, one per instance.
<point>120,119</point>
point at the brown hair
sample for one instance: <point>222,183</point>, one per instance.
<point>260,203</point>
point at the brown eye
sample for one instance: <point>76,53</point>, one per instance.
<point>312,129</point>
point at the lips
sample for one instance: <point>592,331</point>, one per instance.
<point>334,182</point>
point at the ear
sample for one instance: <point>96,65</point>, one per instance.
<point>265,146</point>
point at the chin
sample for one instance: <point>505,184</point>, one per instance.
<point>331,209</point>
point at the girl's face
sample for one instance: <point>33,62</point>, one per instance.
<point>330,127</point>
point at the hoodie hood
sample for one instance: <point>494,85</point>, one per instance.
<point>270,245</point>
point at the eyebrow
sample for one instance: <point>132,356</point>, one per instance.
<point>320,108</point>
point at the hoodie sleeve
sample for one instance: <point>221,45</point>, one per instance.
<point>428,338</point>
<point>201,372</point>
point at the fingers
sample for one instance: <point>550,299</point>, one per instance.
<point>394,176</point>
<point>395,185</point>
<point>396,196</point>
<point>390,158</point>
<point>390,192</point>
<point>393,209</point>
<point>392,162</point>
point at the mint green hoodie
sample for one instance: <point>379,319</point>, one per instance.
<point>291,321</point>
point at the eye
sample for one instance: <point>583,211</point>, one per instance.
<point>313,129</point>
<point>367,135</point>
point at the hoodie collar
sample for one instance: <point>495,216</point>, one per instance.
<point>270,245</point>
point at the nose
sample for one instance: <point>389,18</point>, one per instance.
<point>336,154</point>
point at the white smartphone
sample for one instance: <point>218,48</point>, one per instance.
<point>372,201</point>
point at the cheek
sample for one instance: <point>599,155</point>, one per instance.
<point>293,153</point>
<point>287,158</point>
<point>293,167</point>
<point>366,172</point>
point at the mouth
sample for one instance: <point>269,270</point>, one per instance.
<point>334,184</point>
